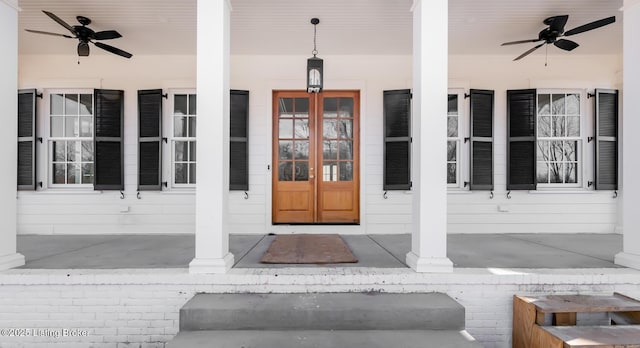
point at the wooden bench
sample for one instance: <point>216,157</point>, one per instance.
<point>531,327</point>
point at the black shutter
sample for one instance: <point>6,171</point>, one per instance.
<point>150,140</point>
<point>397,140</point>
<point>239,141</point>
<point>27,139</point>
<point>606,175</point>
<point>109,113</point>
<point>481,139</point>
<point>521,139</point>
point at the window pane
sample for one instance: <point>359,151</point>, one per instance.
<point>544,126</point>
<point>302,150</point>
<point>71,106</point>
<point>181,173</point>
<point>558,126</point>
<point>543,173</point>
<point>181,148</point>
<point>87,151</point>
<point>570,151</point>
<point>452,126</point>
<point>346,171</point>
<point>543,104</point>
<point>451,173</point>
<point>451,150</point>
<point>453,104</point>
<point>285,107</point>
<point>57,126</point>
<point>57,102</point>
<point>86,126</point>
<point>557,101</point>
<point>285,171</point>
<point>302,107</point>
<point>330,171</point>
<point>543,150</point>
<point>556,151</point>
<point>87,173</point>
<point>329,129</point>
<point>59,174</point>
<point>346,149</point>
<point>73,152</point>
<point>192,127</point>
<point>573,126</point>
<point>556,173</point>
<point>58,151</point>
<point>573,104</point>
<point>285,149</point>
<point>192,104</point>
<point>570,173</point>
<point>346,129</point>
<point>71,127</point>
<point>180,126</point>
<point>192,151</point>
<point>302,129</point>
<point>330,149</point>
<point>180,104</point>
<point>86,104</point>
<point>73,173</point>
<point>346,107</point>
<point>302,171</point>
<point>285,129</point>
<point>192,173</point>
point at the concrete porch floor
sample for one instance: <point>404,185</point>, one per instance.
<point>556,251</point>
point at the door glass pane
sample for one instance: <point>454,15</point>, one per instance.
<point>192,104</point>
<point>452,126</point>
<point>302,171</point>
<point>451,151</point>
<point>285,149</point>
<point>330,149</point>
<point>329,129</point>
<point>346,150</point>
<point>57,102</point>
<point>180,126</point>
<point>285,129</point>
<point>71,104</point>
<point>302,129</point>
<point>192,126</point>
<point>285,107</point>
<point>302,107</point>
<point>346,107</point>
<point>452,107</point>
<point>330,171</point>
<point>285,170</point>
<point>302,150</point>
<point>451,173</point>
<point>346,171</point>
<point>330,107</point>
<point>346,129</point>
<point>180,105</point>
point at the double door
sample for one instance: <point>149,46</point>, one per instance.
<point>316,151</point>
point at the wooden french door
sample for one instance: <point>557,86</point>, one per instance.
<point>316,157</point>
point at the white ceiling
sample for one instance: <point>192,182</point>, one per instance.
<point>346,26</point>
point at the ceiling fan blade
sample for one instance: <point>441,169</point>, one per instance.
<point>61,22</point>
<point>566,45</point>
<point>113,50</point>
<point>558,22</point>
<point>519,42</point>
<point>591,26</point>
<point>529,52</point>
<point>106,35</point>
<point>48,33</point>
<point>83,49</point>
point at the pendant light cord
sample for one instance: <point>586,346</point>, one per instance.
<point>315,51</point>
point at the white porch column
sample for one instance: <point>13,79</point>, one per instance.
<point>212,186</point>
<point>630,189</point>
<point>430,80</point>
<point>9,258</point>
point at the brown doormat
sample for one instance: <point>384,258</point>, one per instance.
<point>308,248</point>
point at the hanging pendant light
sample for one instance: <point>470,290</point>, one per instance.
<point>314,65</point>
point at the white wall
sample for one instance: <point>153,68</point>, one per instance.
<point>581,210</point>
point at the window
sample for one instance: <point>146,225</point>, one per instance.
<point>559,142</point>
<point>183,140</point>
<point>454,142</point>
<point>71,154</point>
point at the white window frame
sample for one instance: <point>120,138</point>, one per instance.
<point>462,148</point>
<point>48,139</point>
<point>582,138</point>
<point>169,156</point>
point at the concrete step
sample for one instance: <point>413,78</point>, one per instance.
<point>322,339</point>
<point>322,311</point>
